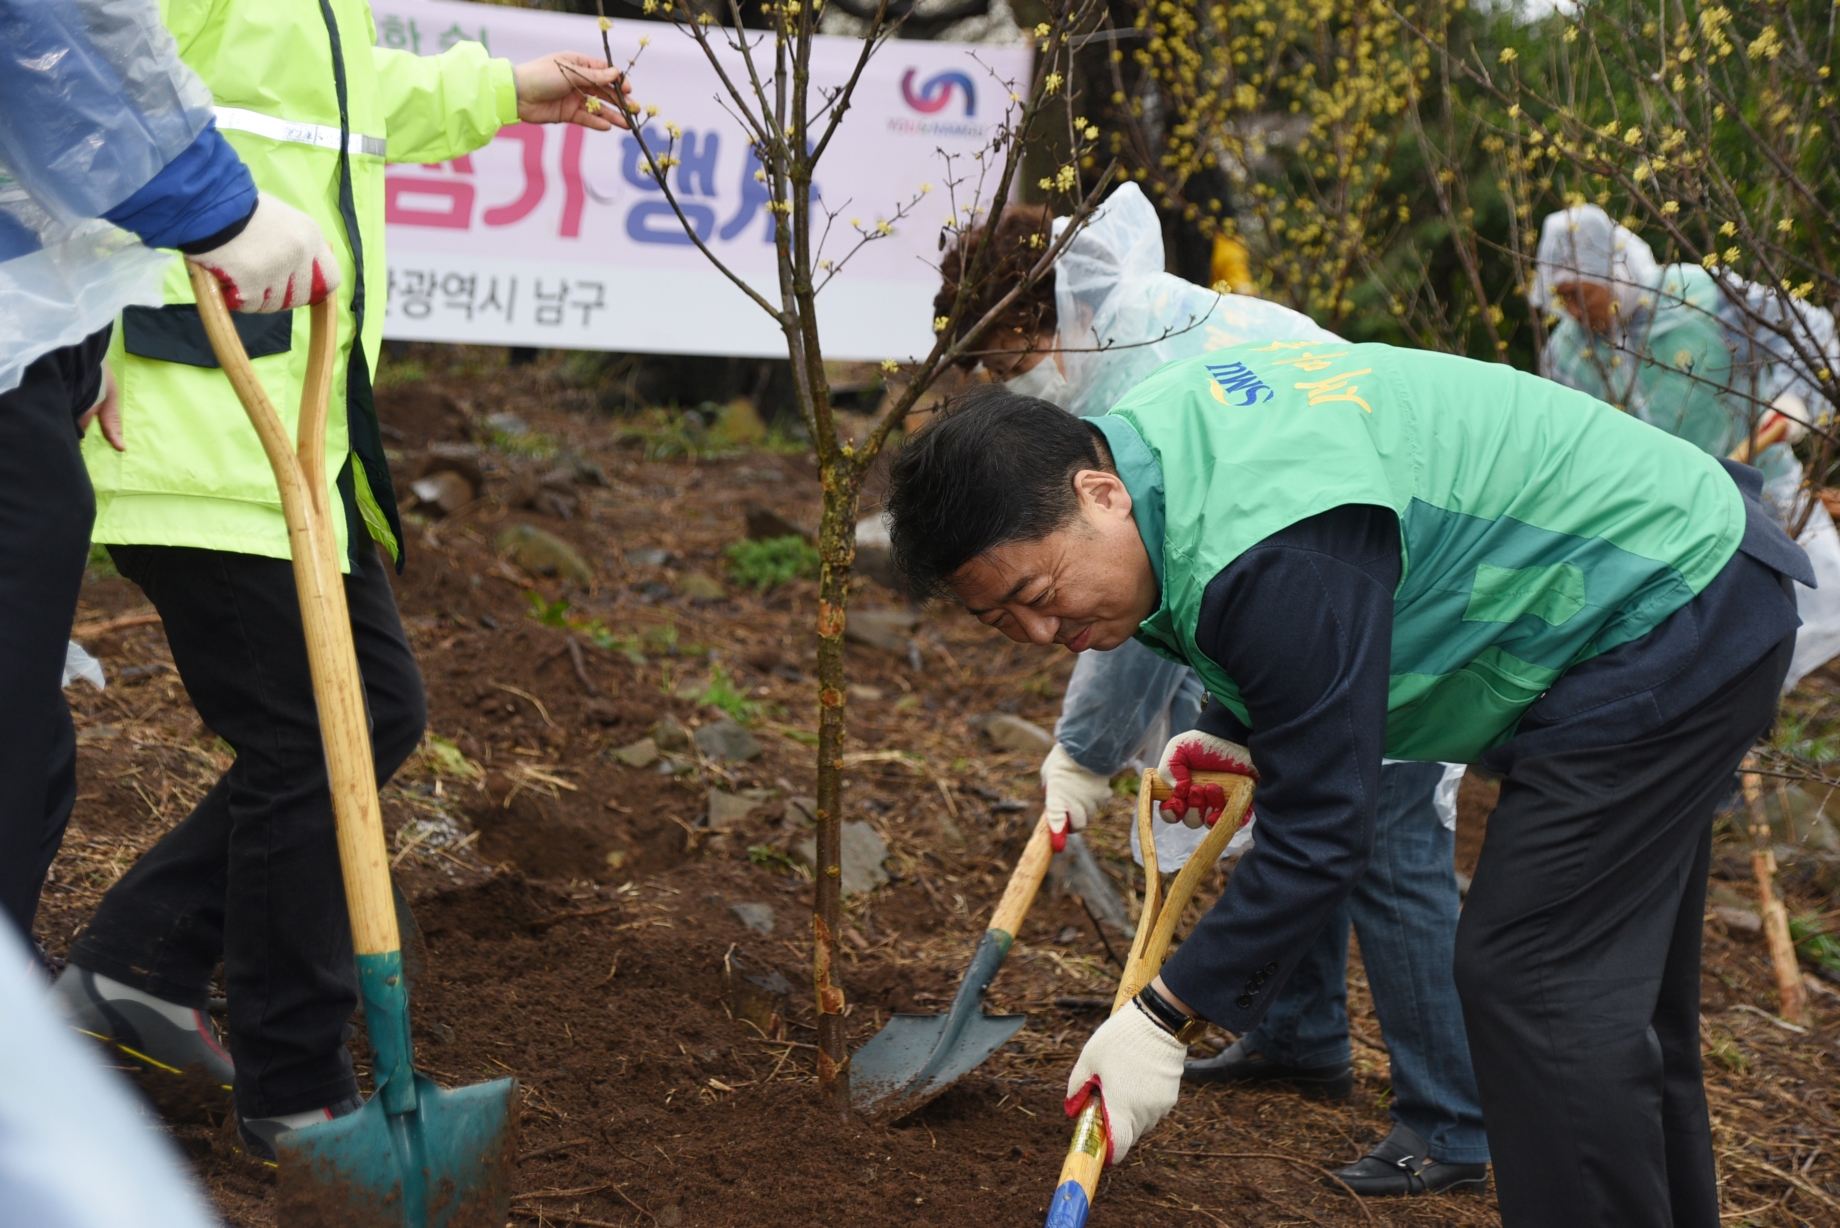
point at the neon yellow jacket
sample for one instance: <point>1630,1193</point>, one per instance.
<point>194,473</point>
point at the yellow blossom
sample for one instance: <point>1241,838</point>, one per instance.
<point>939,323</point>
<point>1508,55</point>
<point>1670,208</point>
<point>1729,229</point>
<point>651,110</point>
<point>890,366</point>
<point>1785,226</point>
<point>606,24</point>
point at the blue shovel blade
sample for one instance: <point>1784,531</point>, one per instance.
<point>446,1164</point>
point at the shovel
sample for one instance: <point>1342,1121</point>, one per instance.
<point>916,1057</point>
<point>416,1155</point>
<point>1155,927</point>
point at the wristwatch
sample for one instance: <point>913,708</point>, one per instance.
<point>1185,1028</point>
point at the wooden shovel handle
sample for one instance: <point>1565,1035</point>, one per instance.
<point>1769,436</point>
<point>338,690</point>
<point>1024,881</point>
<point>1032,866</point>
<point>1155,927</point>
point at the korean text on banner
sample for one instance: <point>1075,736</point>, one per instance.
<point>555,236</point>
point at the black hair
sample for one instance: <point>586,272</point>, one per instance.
<point>991,468</point>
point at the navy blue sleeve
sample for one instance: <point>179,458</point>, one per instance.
<point>1303,624</point>
<point>204,192</point>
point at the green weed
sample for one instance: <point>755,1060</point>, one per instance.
<point>444,758</point>
<point>771,858</point>
<point>724,694</point>
<point>549,613</point>
<point>762,565</point>
<point>1812,941</point>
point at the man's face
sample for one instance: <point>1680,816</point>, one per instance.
<point>1088,585</point>
<point>1586,302</point>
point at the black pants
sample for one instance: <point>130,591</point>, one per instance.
<point>1578,966</point>
<point>252,875</point>
<point>46,510</point>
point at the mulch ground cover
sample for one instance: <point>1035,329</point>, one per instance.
<point>576,912</point>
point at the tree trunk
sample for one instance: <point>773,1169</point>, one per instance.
<point>836,551</point>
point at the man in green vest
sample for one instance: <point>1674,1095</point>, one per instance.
<point>190,512</point>
<point>1366,551</point>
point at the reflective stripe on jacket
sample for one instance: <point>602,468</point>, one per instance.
<point>194,473</point>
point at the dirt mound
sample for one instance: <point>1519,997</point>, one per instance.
<point>416,415</point>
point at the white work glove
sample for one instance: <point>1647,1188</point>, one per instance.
<point>1792,412</point>
<point>1071,795</point>
<point>1137,1067</point>
<point>1195,751</point>
<point>280,261</point>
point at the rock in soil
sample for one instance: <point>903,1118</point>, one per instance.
<point>727,809</point>
<point>640,754</point>
<point>446,491</point>
<point>1014,733</point>
<point>888,630</point>
<point>670,737</point>
<point>757,917</point>
<point>727,742</point>
<point>544,553</point>
<point>863,854</point>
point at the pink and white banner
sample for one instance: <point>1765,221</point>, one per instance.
<point>553,236</point>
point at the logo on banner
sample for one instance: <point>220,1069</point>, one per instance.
<point>935,93</point>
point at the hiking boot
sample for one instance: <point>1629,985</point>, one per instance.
<point>258,1134</point>
<point>1399,1167</point>
<point>1240,1063</point>
<point>171,1050</point>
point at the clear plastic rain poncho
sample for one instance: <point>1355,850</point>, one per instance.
<point>1120,317</point>
<point>1703,357</point>
<point>94,102</point>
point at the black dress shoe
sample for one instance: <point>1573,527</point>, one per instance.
<point>1239,1064</point>
<point>1399,1167</point>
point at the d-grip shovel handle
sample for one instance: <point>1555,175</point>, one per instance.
<point>1155,928</point>
<point>338,690</point>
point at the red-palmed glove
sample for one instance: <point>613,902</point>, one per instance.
<point>279,261</point>
<point>1191,752</point>
<point>1070,795</point>
<point>1136,1066</point>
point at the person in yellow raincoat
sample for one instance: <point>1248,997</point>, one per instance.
<point>190,513</point>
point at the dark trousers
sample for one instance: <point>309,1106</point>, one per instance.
<point>46,510</point>
<point>1405,909</point>
<point>252,875</point>
<point>1578,966</point>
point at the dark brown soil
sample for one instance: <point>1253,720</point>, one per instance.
<point>576,911</point>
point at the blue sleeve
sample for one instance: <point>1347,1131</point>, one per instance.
<point>200,193</point>
<point>1303,623</point>
<point>93,100</point>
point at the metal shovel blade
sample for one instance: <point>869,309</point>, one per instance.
<point>448,1163</point>
<point>911,1060</point>
<point>915,1057</point>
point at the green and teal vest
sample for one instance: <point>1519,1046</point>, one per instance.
<point>1538,526</point>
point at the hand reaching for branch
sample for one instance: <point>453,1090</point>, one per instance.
<point>560,89</point>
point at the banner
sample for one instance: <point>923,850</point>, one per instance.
<point>553,235</point>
